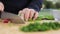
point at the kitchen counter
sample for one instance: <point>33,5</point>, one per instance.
<point>14,29</point>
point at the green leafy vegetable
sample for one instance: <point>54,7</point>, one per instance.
<point>35,27</point>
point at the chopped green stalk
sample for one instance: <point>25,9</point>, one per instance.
<point>36,27</point>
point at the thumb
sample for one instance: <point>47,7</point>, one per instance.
<point>21,15</point>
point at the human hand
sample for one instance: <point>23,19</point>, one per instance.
<point>27,14</point>
<point>1,6</point>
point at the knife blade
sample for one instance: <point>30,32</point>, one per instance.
<point>13,17</point>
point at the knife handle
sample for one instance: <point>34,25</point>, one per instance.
<point>0,14</point>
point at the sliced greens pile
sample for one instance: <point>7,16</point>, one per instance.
<point>36,27</point>
<point>46,17</point>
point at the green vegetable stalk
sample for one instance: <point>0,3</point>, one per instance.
<point>36,27</point>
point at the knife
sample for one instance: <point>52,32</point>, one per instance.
<point>13,17</point>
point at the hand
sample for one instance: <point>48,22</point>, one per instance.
<point>28,14</point>
<point>1,6</point>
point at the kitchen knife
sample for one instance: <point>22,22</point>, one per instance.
<point>13,17</point>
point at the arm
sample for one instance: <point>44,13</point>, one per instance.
<point>36,5</point>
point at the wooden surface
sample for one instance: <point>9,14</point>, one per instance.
<point>14,29</point>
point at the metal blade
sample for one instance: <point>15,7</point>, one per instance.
<point>14,18</point>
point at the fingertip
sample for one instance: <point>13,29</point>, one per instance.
<point>35,16</point>
<point>26,19</point>
<point>34,19</point>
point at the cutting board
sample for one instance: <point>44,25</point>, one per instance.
<point>11,28</point>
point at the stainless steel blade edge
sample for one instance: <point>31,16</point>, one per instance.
<point>14,18</point>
